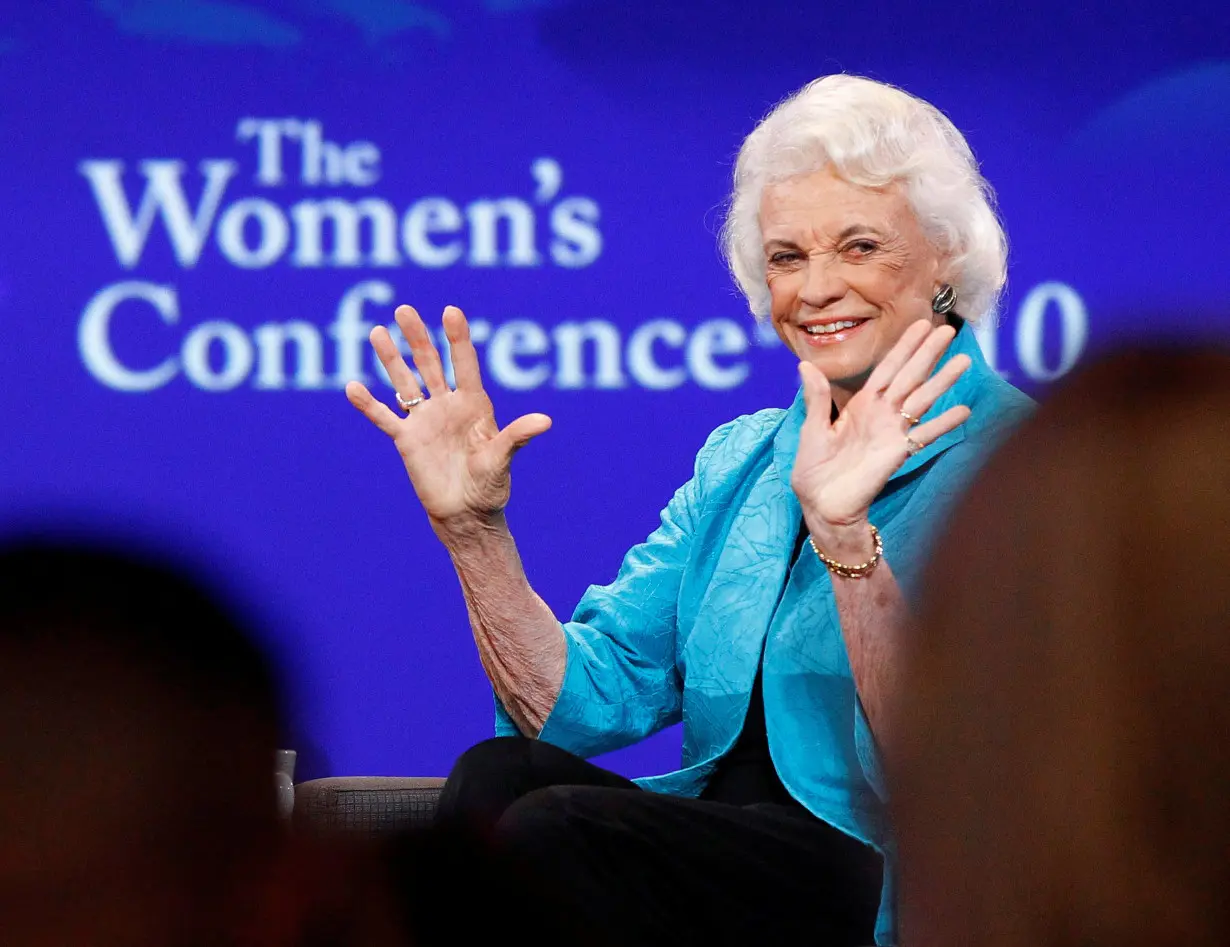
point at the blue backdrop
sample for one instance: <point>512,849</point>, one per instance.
<point>205,205</point>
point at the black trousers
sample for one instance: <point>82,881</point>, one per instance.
<point>643,868</point>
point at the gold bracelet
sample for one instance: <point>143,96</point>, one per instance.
<point>860,571</point>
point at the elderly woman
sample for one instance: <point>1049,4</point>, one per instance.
<point>762,611</point>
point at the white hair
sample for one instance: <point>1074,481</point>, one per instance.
<point>872,134</point>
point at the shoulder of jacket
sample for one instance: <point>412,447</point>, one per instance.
<point>735,441</point>
<point>999,408</point>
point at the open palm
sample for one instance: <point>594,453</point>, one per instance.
<point>456,455</point>
<point>842,465</point>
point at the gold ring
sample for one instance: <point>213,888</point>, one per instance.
<point>912,446</point>
<point>909,417</point>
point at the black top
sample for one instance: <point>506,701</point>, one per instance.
<point>746,776</point>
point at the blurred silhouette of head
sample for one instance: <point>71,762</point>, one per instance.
<point>138,722</point>
<point>1063,776</point>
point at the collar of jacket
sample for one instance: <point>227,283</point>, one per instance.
<point>786,441</point>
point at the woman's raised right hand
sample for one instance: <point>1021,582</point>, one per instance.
<point>457,457</point>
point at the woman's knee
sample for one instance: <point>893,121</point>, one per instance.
<point>540,818</point>
<point>486,779</point>
<point>557,816</point>
<point>496,757</point>
<point>492,775</point>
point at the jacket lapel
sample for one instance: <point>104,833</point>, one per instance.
<point>724,647</point>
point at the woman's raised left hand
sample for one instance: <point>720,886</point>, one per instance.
<point>843,465</point>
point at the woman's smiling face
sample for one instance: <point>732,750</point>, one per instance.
<point>848,269</point>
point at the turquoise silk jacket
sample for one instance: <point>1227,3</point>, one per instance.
<point>681,631</point>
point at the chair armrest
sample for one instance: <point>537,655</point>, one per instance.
<point>365,806</point>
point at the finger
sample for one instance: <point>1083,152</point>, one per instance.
<point>426,358</point>
<point>817,395</point>
<point>921,364</point>
<point>898,355</point>
<point>520,432</point>
<point>461,349</point>
<point>936,428</point>
<point>928,393</point>
<point>400,376</point>
<point>374,410</point>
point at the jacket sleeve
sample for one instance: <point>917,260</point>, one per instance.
<point>621,683</point>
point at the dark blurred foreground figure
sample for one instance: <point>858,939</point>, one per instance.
<point>138,723</point>
<point>1063,771</point>
<point>452,888</point>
